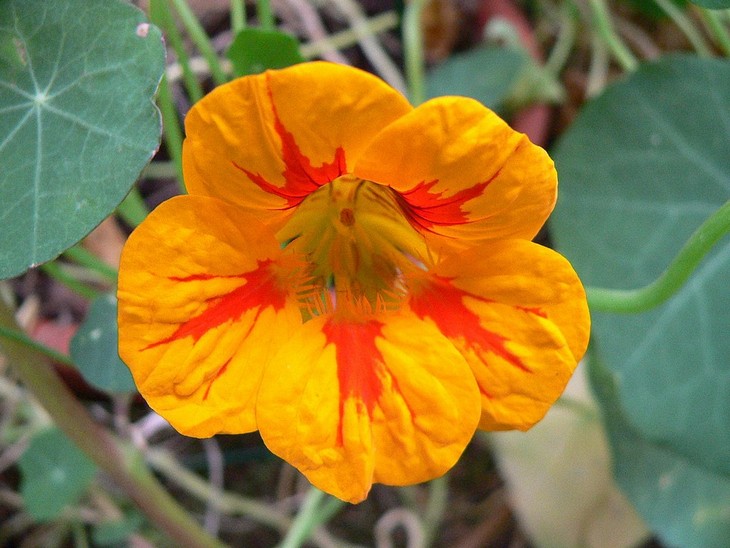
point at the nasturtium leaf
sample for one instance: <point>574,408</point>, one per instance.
<point>53,474</point>
<point>114,533</point>
<point>77,119</point>
<point>652,9</point>
<point>713,4</point>
<point>644,164</point>
<point>486,74</point>
<point>255,50</point>
<point>686,503</point>
<point>94,349</point>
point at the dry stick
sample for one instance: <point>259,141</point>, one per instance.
<point>126,468</point>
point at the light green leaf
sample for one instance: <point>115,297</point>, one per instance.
<point>255,50</point>
<point>54,473</point>
<point>641,168</point>
<point>486,74</point>
<point>94,349</point>
<point>77,120</point>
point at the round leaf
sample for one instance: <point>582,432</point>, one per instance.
<point>255,50</point>
<point>486,74</point>
<point>54,473</point>
<point>77,120</point>
<point>94,349</point>
<point>640,169</point>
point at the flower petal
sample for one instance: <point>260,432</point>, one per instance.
<point>518,314</point>
<point>199,301</point>
<point>387,400</point>
<point>267,141</point>
<point>463,175</point>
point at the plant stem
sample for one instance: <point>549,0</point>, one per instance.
<point>672,279</point>
<point>718,29</point>
<point>238,16</point>
<point>686,26</point>
<point>437,501</point>
<point>200,38</point>
<point>86,258</point>
<point>161,15</point>
<point>413,49</point>
<point>602,21</point>
<point>56,271</point>
<point>171,129</point>
<point>133,209</point>
<point>306,520</point>
<point>21,337</point>
<point>265,15</point>
<point>125,467</point>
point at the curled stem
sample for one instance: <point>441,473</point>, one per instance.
<point>602,22</point>
<point>672,279</point>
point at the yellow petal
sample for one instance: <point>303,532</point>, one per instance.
<point>201,306</point>
<point>385,400</point>
<point>463,175</point>
<point>267,141</point>
<point>518,314</point>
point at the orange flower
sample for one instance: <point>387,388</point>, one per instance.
<point>351,276</point>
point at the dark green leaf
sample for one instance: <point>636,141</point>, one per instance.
<point>110,533</point>
<point>77,121</point>
<point>255,50</point>
<point>94,349</point>
<point>685,502</point>
<point>652,9</point>
<point>486,74</point>
<point>713,4</point>
<point>54,473</point>
<point>640,169</point>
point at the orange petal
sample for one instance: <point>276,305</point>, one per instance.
<point>387,400</point>
<point>463,175</point>
<point>267,141</point>
<point>201,304</point>
<point>518,314</point>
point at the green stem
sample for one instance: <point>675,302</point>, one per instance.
<point>159,170</point>
<point>564,44</point>
<point>306,520</point>
<point>265,15</point>
<point>413,49</point>
<point>672,279</point>
<point>125,467</point>
<point>19,336</point>
<point>171,128</point>
<point>56,271</point>
<point>238,16</point>
<point>686,26</point>
<point>133,209</point>
<point>86,258</point>
<point>161,15</point>
<point>200,38</point>
<point>435,509</point>
<point>602,21</point>
<point>717,28</point>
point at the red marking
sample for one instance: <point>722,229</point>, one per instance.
<point>218,374</point>
<point>537,311</point>
<point>300,176</point>
<point>260,291</point>
<point>426,209</point>
<point>444,304</point>
<point>358,362</point>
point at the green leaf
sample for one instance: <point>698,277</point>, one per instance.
<point>640,169</point>
<point>713,4</point>
<point>652,9</point>
<point>94,349</point>
<point>255,50</point>
<point>77,120</point>
<point>54,473</point>
<point>110,533</point>
<point>486,74</point>
<point>686,503</point>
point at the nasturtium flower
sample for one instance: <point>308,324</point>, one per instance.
<point>351,276</point>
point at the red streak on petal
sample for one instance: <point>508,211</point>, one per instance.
<point>537,311</point>
<point>218,374</point>
<point>358,362</point>
<point>444,304</point>
<point>259,292</point>
<point>426,209</point>
<point>301,177</point>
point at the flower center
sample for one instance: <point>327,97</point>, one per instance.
<point>357,241</point>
